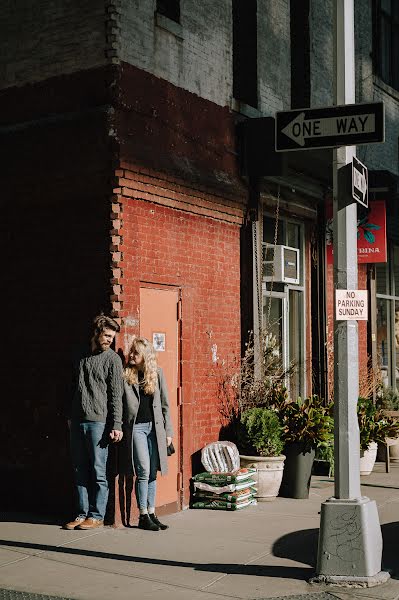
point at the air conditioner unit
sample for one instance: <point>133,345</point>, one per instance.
<point>280,264</point>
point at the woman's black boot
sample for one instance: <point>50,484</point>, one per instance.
<point>157,522</point>
<point>145,522</point>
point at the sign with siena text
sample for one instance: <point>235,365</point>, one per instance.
<point>351,305</point>
<point>371,234</point>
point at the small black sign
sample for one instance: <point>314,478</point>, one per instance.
<point>360,182</point>
<point>330,127</point>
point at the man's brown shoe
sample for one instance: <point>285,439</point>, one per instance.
<point>91,523</point>
<point>75,523</point>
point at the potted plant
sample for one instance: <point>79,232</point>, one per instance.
<point>374,426</point>
<point>260,438</point>
<point>388,401</point>
<point>307,424</point>
<point>323,463</point>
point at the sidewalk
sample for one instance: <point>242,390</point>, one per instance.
<point>263,551</point>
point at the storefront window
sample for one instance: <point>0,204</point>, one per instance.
<point>383,345</point>
<point>283,303</point>
<point>387,283</point>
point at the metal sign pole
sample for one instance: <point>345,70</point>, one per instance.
<point>350,541</point>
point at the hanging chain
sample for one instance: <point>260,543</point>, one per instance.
<point>256,263</point>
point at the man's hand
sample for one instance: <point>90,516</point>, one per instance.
<point>116,435</point>
<point>168,441</point>
<point>69,423</point>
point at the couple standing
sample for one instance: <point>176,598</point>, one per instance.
<point>102,395</point>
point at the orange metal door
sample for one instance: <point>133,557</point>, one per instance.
<point>159,324</point>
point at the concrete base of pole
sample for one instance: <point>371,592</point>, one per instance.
<point>355,582</point>
<point>350,542</point>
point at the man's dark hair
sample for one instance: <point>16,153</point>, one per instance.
<point>102,322</point>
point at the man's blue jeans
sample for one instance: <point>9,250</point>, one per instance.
<point>146,462</point>
<point>89,449</point>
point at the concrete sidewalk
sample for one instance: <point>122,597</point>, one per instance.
<point>263,551</point>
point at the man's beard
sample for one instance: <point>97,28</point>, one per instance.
<point>100,346</point>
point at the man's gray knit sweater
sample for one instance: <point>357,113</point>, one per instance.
<point>97,388</point>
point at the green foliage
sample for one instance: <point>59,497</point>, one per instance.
<point>388,398</point>
<point>308,421</point>
<point>374,425</point>
<point>261,431</point>
<point>326,452</point>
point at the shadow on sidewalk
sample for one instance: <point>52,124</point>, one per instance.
<point>300,546</point>
<point>304,543</point>
<point>286,572</point>
<point>18,517</point>
<point>390,554</point>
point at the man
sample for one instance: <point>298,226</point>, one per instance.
<point>95,419</point>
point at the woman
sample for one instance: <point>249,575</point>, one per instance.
<point>146,408</point>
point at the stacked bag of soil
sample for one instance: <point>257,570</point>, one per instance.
<point>223,486</point>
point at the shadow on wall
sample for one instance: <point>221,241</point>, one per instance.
<point>55,217</point>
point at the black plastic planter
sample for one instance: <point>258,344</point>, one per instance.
<point>297,471</point>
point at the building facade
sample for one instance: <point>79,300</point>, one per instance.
<point>135,181</point>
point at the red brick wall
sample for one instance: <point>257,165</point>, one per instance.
<point>164,244</point>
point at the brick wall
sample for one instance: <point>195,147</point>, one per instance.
<point>56,273</point>
<point>321,52</point>
<point>163,240</point>
<point>195,56</point>
<point>43,39</point>
<point>274,61</point>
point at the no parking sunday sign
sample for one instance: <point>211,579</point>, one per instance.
<point>351,305</point>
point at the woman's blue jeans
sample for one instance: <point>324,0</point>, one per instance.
<point>146,463</point>
<point>89,449</point>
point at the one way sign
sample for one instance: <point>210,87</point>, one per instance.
<point>360,182</point>
<point>329,127</point>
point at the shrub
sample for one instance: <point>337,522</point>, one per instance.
<point>374,425</point>
<point>261,431</point>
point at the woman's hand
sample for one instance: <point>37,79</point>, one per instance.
<point>168,441</point>
<point>116,435</point>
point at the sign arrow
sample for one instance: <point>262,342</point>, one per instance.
<point>301,129</point>
<point>359,182</point>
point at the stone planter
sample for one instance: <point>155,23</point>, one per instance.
<point>394,449</point>
<point>269,473</point>
<point>297,471</point>
<point>367,459</point>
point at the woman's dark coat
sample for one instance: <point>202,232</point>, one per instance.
<point>162,421</point>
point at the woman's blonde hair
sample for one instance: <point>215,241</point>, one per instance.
<point>143,347</point>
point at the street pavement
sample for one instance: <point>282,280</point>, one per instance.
<point>264,551</point>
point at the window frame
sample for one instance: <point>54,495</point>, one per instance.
<point>391,57</point>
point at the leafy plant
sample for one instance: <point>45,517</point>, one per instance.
<point>388,398</point>
<point>261,431</point>
<point>257,380</point>
<point>326,452</point>
<point>374,425</point>
<point>308,421</point>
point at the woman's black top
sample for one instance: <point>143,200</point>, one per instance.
<point>145,413</point>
